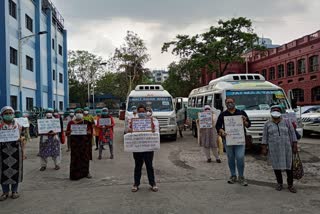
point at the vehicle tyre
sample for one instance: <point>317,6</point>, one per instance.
<point>306,133</point>
<point>194,131</point>
<point>174,137</point>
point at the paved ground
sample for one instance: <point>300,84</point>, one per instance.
<point>187,184</point>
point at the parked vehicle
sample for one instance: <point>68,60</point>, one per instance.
<point>311,120</point>
<point>181,104</point>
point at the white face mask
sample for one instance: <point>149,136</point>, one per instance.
<point>275,114</point>
<point>86,112</point>
<point>149,113</point>
<point>79,116</point>
<point>49,115</point>
<point>71,114</point>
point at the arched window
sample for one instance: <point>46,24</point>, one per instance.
<point>315,94</point>
<point>298,94</point>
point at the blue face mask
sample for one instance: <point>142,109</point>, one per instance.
<point>142,115</point>
<point>8,117</point>
<point>105,113</point>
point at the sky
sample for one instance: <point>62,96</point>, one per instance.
<point>99,26</point>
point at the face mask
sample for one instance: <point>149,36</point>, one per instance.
<point>71,114</point>
<point>149,113</point>
<point>49,115</point>
<point>142,115</point>
<point>275,114</point>
<point>86,112</point>
<point>230,105</point>
<point>18,115</point>
<point>8,117</point>
<point>134,111</point>
<point>79,116</point>
<point>104,113</point>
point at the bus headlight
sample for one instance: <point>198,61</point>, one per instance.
<point>172,121</point>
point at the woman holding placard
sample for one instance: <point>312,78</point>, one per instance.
<point>80,132</point>
<point>105,124</point>
<point>208,136</point>
<point>11,159</point>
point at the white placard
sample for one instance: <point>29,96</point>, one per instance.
<point>234,130</point>
<point>65,124</point>
<point>141,125</point>
<point>9,135</point>
<point>141,142</point>
<point>22,121</point>
<point>205,120</point>
<point>47,125</point>
<point>79,129</point>
<point>105,122</point>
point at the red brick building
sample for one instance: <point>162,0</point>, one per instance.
<point>294,66</point>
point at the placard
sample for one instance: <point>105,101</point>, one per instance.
<point>234,130</point>
<point>65,124</point>
<point>79,129</point>
<point>9,135</point>
<point>47,125</point>
<point>141,125</point>
<point>105,122</point>
<point>22,121</point>
<point>205,120</point>
<point>141,142</point>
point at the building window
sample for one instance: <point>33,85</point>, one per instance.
<point>315,94</point>
<point>14,102</point>
<point>54,75</point>
<point>290,69</point>
<point>52,44</point>
<point>313,63</point>
<point>301,66</point>
<point>29,23</point>
<point>13,56</point>
<point>60,78</point>
<point>60,105</point>
<point>29,62</point>
<point>272,73</point>
<point>298,94</point>
<point>264,73</point>
<point>29,103</point>
<point>13,9</point>
<point>280,71</point>
<point>60,50</point>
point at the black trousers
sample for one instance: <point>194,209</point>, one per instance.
<point>278,174</point>
<point>140,158</point>
<point>97,142</point>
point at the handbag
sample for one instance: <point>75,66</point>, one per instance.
<point>297,167</point>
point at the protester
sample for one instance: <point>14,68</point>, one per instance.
<point>25,133</point>
<point>106,133</point>
<point>208,137</point>
<point>61,133</point>
<point>11,161</point>
<point>81,148</point>
<point>143,157</point>
<point>68,117</point>
<point>280,138</point>
<point>130,117</point>
<point>50,146</point>
<point>155,120</point>
<point>97,129</point>
<point>235,153</point>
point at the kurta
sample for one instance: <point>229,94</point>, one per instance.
<point>81,151</point>
<point>11,160</point>
<point>49,146</point>
<point>279,138</point>
<point>208,136</point>
<point>106,133</point>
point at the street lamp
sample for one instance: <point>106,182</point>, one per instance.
<point>20,43</point>
<point>92,81</point>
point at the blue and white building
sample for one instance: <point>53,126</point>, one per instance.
<point>33,55</point>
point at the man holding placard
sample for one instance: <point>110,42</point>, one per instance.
<point>231,126</point>
<point>105,124</point>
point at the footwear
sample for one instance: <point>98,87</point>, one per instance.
<point>103,148</point>
<point>232,180</point>
<point>154,188</point>
<point>243,181</point>
<point>209,160</point>
<point>43,168</point>
<point>99,157</point>
<point>134,189</point>
<point>218,161</point>
<point>57,167</point>
<point>292,189</point>
<point>89,176</point>
<point>111,156</point>
<point>4,196</point>
<point>279,187</point>
<point>15,195</point>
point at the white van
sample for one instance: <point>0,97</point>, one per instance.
<point>252,93</point>
<point>161,102</point>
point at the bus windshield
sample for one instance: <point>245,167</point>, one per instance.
<point>258,99</point>
<point>158,104</point>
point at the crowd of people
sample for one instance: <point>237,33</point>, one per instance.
<point>81,131</point>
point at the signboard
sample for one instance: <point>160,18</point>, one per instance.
<point>79,129</point>
<point>141,125</point>
<point>9,135</point>
<point>205,120</point>
<point>65,124</point>
<point>105,122</point>
<point>141,142</point>
<point>234,130</point>
<point>47,125</point>
<point>22,121</point>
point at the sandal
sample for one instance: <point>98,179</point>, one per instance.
<point>279,187</point>
<point>57,167</point>
<point>154,189</point>
<point>4,196</point>
<point>43,168</point>
<point>134,189</point>
<point>292,189</point>
<point>15,195</point>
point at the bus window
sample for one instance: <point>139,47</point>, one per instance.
<point>199,102</point>
<point>193,104</point>
<point>190,102</point>
<point>218,102</point>
<point>208,100</point>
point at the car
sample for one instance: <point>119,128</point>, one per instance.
<point>311,120</point>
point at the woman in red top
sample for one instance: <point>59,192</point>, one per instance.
<point>106,124</point>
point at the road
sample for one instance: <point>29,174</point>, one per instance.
<point>187,184</point>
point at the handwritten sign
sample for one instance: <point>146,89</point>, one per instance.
<point>205,120</point>
<point>141,125</point>
<point>141,142</point>
<point>79,129</point>
<point>22,121</point>
<point>105,122</point>
<point>47,125</point>
<point>9,135</point>
<point>235,130</point>
<point>65,124</point>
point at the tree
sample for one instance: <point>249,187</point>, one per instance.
<point>130,59</point>
<point>216,49</point>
